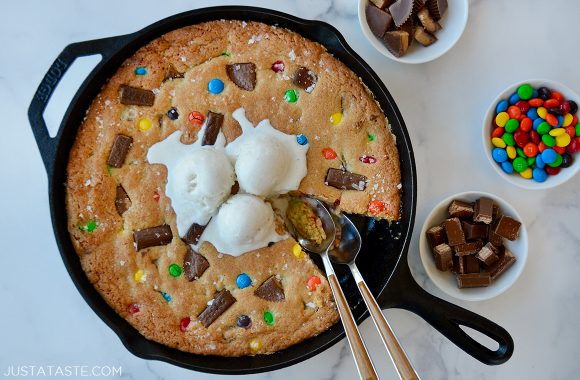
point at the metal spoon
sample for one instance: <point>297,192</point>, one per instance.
<point>345,253</point>
<point>362,360</point>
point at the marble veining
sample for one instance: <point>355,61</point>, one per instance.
<point>46,322</point>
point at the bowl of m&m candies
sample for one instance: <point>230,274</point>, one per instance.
<point>531,134</point>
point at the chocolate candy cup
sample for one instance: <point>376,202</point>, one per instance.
<point>379,21</point>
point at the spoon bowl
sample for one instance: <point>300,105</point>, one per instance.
<point>327,225</point>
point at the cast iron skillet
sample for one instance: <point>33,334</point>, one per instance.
<point>383,260</point>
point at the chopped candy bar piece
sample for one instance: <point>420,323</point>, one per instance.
<point>488,254</point>
<point>305,79</point>
<point>442,254</point>
<point>454,232</point>
<point>344,180</point>
<point>222,300</point>
<point>194,264</point>
<point>473,280</point>
<point>119,150</point>
<point>483,210</point>
<point>122,200</point>
<point>150,237</point>
<point>270,290</point>
<point>212,128</point>
<point>137,96</point>
<point>460,209</point>
<point>507,227</point>
<point>243,75</point>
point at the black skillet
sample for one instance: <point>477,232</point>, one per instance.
<point>383,259</point>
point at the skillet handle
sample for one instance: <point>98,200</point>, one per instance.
<point>447,318</point>
<point>46,144</point>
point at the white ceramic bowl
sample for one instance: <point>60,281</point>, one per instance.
<point>446,281</point>
<point>514,178</point>
<point>453,23</point>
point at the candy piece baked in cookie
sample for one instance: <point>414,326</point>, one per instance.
<point>223,277</point>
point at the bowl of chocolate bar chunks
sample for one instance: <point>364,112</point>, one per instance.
<point>473,246</point>
<point>413,31</point>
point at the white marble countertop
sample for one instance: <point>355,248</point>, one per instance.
<point>46,322</point>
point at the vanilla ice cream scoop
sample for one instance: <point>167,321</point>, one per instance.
<point>243,223</point>
<point>267,162</point>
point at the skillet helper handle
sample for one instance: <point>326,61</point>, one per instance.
<point>448,318</point>
<point>361,356</point>
<point>46,144</point>
<point>398,356</point>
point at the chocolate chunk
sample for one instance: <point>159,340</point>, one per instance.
<point>424,37</point>
<point>483,210</point>
<point>437,8</point>
<point>382,3</point>
<point>119,150</point>
<point>270,290</point>
<point>172,73</point>
<point>122,200</point>
<point>473,280</point>
<point>474,231</point>
<point>137,96</point>
<point>460,209</point>
<point>235,188</point>
<point>468,248</point>
<point>442,255</point>
<point>150,237</point>
<point>508,227</point>
<point>502,265</point>
<point>427,21</point>
<point>212,128</point>
<point>193,233</point>
<point>436,236</point>
<point>401,11</point>
<point>468,264</point>
<point>341,179</point>
<point>194,264</point>
<point>222,300</point>
<point>243,75</point>
<point>305,79</point>
<point>454,232</point>
<point>397,42</point>
<point>494,238</point>
<point>379,21</point>
<point>488,254</point>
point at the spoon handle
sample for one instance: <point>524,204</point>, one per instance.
<point>398,355</point>
<point>362,360</point>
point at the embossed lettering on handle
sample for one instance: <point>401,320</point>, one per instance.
<point>50,80</point>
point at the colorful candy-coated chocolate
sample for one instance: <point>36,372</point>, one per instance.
<point>544,128</point>
<point>514,98</point>
<point>511,125</point>
<point>559,149</point>
<point>291,96</point>
<point>175,270</point>
<point>557,96</point>
<point>172,113</point>
<point>255,344</point>
<point>533,113</point>
<point>243,281</point>
<point>544,93</point>
<point>301,139</point>
<point>215,86</point>
<point>535,136</point>
<point>520,152</point>
<point>530,150</point>
<point>565,107</point>
<point>542,112</point>
<point>539,162</point>
<point>139,275</point>
<point>567,160</point>
<point>498,132</point>
<point>376,207</point>
<point>520,164</point>
<point>336,118</point>
<point>560,121</point>
<point>552,120</point>
<point>548,140</point>
<point>511,152</point>
<point>329,153</point>
<point>573,106</point>
<point>278,66</point>
<point>269,318</point>
<point>539,174</point>
<point>567,120</point>
<point>557,132</point>
<point>514,112</point>
<point>526,124</point>
<point>536,102</point>
<point>537,123</point>
<point>367,159</point>
<point>525,91</point>
<point>563,140</point>
<point>140,71</point>
<point>521,138</point>
<point>557,162</point>
<point>313,283</point>
<point>133,308</point>
<point>531,161</point>
<point>89,226</point>
<point>501,119</point>
<point>526,173</point>
<point>523,106</point>
<point>507,167</point>
<point>541,146</point>
<point>508,138</point>
<point>145,124</point>
<point>552,171</point>
<point>166,297</point>
<point>297,251</point>
<point>551,103</point>
<point>371,137</point>
<point>244,321</point>
<point>573,147</point>
<point>498,142</point>
<point>184,324</point>
<point>502,106</point>
<point>549,156</point>
<point>196,118</point>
